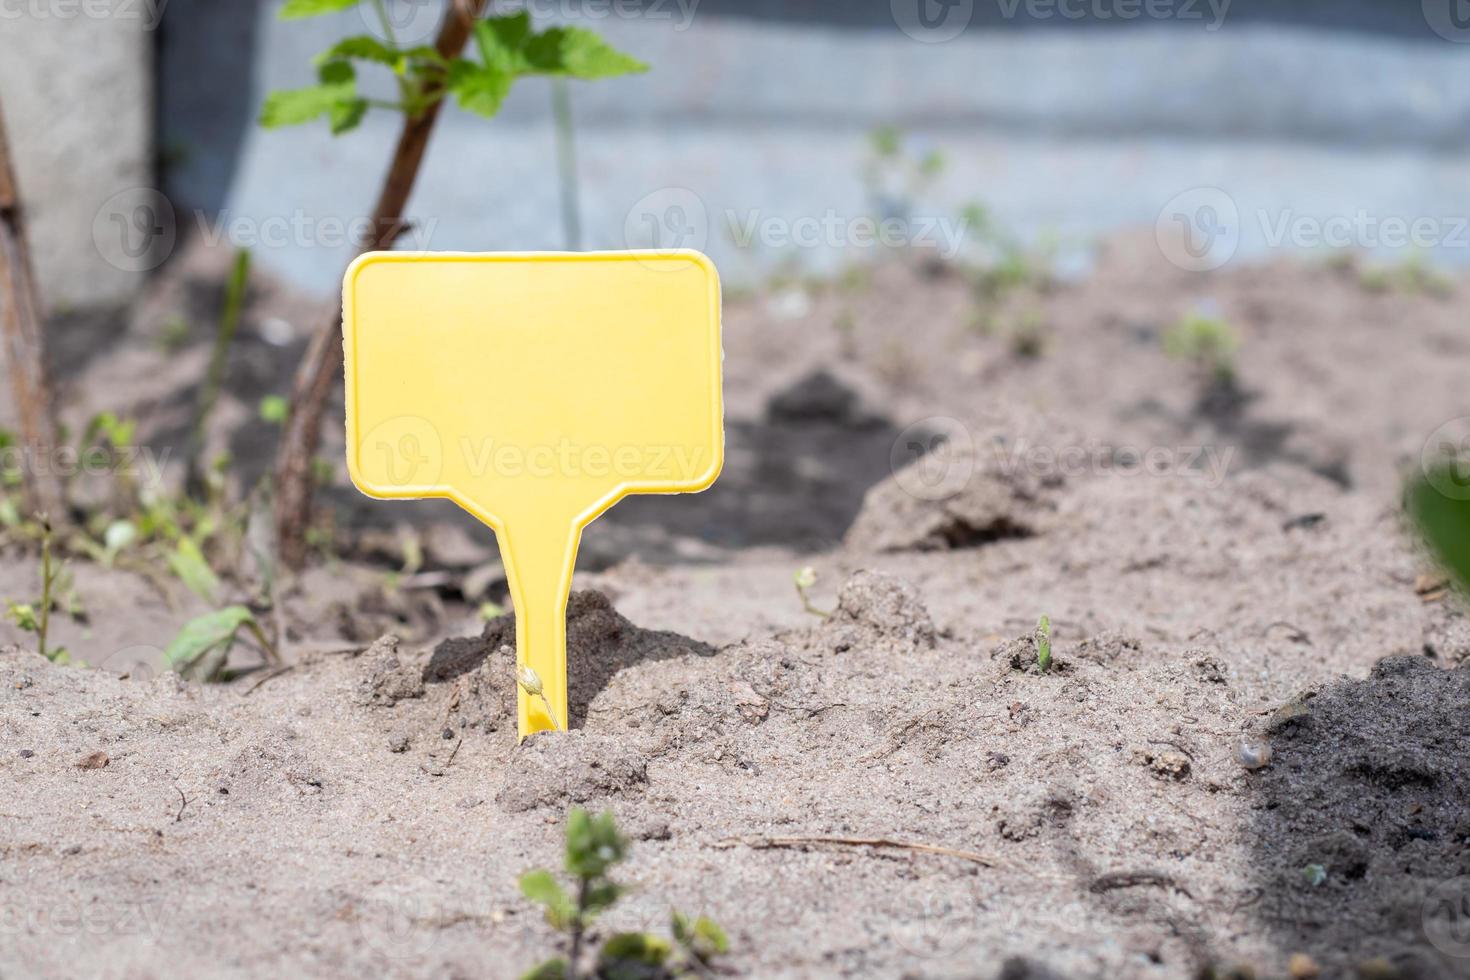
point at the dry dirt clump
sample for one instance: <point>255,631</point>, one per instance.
<point>958,486</point>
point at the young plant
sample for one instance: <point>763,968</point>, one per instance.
<point>593,848</point>
<point>1207,343</point>
<point>214,379</point>
<point>804,579</point>
<point>36,617</point>
<point>1043,644</point>
<point>202,648</point>
<point>506,49</point>
<point>1444,518</point>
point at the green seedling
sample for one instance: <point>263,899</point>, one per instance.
<point>1414,276</point>
<point>1207,343</point>
<point>804,579</point>
<point>214,378</point>
<point>1444,517</point>
<point>594,847</point>
<point>203,646</point>
<point>56,593</point>
<point>1315,874</point>
<point>274,409</point>
<point>1043,644</point>
<point>530,682</point>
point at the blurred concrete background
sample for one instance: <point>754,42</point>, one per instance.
<point>1068,119</point>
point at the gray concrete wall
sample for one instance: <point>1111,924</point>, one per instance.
<point>1251,124</point>
<point>76,82</point>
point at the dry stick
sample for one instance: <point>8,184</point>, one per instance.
<point>320,370</point>
<point>764,843</point>
<point>20,322</point>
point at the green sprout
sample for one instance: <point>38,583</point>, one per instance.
<point>1043,644</point>
<point>594,847</point>
<point>36,617</point>
<point>1439,503</point>
<point>1315,874</point>
<point>1207,343</point>
<point>530,682</point>
<point>804,579</point>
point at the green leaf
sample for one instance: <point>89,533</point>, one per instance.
<point>479,89</point>
<point>337,74</point>
<point>600,897</point>
<point>292,107</point>
<point>23,614</point>
<point>298,9</point>
<point>579,53</point>
<point>363,47</point>
<point>541,887</point>
<point>630,955</point>
<point>119,535</point>
<point>274,409</point>
<point>550,970</point>
<point>203,645</point>
<point>347,115</point>
<point>1443,517</point>
<point>501,41</point>
<point>187,562</point>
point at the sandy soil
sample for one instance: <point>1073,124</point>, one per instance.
<point>1220,568</point>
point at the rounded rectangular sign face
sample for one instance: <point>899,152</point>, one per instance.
<point>534,390</point>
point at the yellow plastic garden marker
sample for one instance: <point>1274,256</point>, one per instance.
<point>535,391</point>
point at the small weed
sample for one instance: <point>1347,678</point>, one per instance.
<point>203,646</point>
<point>1414,276</point>
<point>1444,520</point>
<point>805,578</point>
<point>1043,644</point>
<point>594,847</point>
<point>57,594</point>
<point>1207,343</point>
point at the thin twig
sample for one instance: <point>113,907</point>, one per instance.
<point>183,802</point>
<point>272,675</point>
<point>766,843</point>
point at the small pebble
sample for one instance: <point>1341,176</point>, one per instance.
<point>1302,967</point>
<point>1254,755</point>
<point>398,743</point>
<point>27,753</point>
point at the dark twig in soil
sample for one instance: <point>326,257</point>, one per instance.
<point>768,843</point>
<point>286,669</point>
<point>183,802</point>
<point>1114,880</point>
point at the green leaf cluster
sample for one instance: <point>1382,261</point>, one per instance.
<point>1444,518</point>
<point>594,846</point>
<point>507,48</point>
<point>202,648</point>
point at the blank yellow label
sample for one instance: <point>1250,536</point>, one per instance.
<point>535,391</point>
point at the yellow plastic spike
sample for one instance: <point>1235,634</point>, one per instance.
<point>535,391</point>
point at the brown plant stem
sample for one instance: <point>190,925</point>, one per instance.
<point>25,355</point>
<point>320,371</point>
